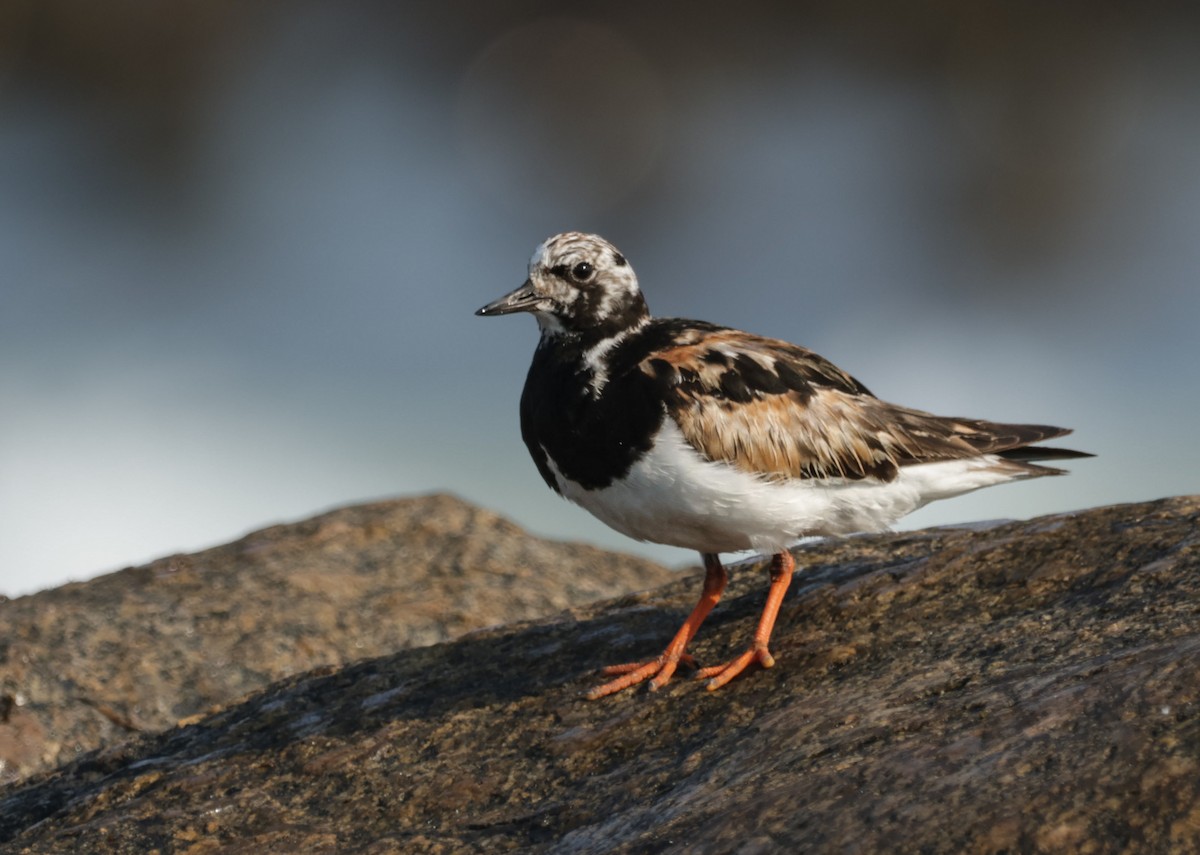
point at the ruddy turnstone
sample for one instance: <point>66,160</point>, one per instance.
<point>709,438</point>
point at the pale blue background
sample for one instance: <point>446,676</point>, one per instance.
<point>239,250</point>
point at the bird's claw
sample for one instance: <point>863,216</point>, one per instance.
<point>718,675</point>
<point>661,668</point>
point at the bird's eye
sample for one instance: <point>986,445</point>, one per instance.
<point>581,271</point>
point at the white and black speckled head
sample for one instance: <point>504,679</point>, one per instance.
<point>579,284</point>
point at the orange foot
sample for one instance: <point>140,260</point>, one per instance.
<point>781,576</point>
<point>718,675</point>
<point>661,668</point>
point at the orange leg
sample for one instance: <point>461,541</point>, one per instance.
<point>782,567</point>
<point>662,667</point>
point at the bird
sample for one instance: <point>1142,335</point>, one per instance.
<point>705,437</point>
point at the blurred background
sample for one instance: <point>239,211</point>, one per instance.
<point>241,243</point>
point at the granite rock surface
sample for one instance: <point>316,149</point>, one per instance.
<point>138,650</point>
<point>1027,687</point>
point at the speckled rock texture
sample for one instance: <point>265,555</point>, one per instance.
<point>138,650</point>
<point>1029,687</point>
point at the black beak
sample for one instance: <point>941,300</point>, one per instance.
<point>522,299</point>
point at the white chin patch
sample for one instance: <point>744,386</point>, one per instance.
<point>549,323</point>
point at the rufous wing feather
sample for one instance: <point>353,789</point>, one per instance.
<point>782,411</point>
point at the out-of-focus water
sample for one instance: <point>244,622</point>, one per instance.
<point>260,306</point>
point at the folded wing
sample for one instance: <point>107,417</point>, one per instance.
<point>781,411</point>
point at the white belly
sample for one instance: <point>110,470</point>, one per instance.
<point>675,496</point>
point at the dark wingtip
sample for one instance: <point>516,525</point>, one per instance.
<point>1029,453</point>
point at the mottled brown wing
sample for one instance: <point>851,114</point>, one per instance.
<point>782,411</point>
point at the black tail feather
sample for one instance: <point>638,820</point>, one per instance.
<point>1029,453</point>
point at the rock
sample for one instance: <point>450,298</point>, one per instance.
<point>1033,686</point>
<point>138,650</point>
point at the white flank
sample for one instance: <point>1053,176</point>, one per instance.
<point>675,496</point>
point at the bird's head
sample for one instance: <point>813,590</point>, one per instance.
<point>579,284</point>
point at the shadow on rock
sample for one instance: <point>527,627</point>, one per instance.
<point>1028,686</point>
